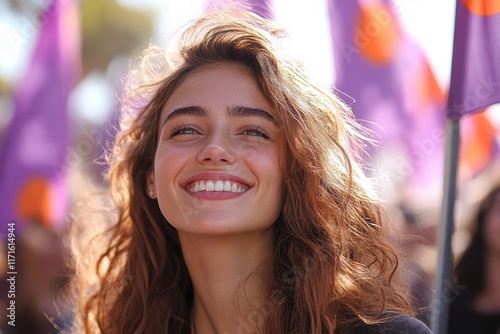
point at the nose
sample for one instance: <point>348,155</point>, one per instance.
<point>217,149</point>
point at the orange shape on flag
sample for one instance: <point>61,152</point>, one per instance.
<point>483,7</point>
<point>377,33</point>
<point>426,89</point>
<point>477,144</point>
<point>35,200</point>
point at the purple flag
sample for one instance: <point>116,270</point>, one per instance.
<point>33,157</point>
<point>263,8</point>
<point>391,88</point>
<point>475,74</point>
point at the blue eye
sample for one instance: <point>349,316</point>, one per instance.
<point>183,130</point>
<point>255,131</point>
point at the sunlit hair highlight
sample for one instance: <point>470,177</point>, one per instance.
<point>332,265</point>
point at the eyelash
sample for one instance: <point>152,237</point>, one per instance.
<point>256,131</point>
<point>187,129</point>
<point>182,129</point>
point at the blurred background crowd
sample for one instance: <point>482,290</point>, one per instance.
<point>61,67</point>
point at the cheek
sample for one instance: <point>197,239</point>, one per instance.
<point>169,160</point>
<point>271,172</point>
<point>268,163</point>
<point>167,165</point>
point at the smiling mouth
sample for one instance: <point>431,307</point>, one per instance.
<point>216,186</point>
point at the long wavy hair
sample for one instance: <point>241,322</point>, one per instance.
<point>332,266</point>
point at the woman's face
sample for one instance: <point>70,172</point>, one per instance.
<point>217,167</point>
<point>492,225</point>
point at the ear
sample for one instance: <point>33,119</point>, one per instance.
<point>150,185</point>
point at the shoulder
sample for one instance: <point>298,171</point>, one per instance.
<point>398,323</point>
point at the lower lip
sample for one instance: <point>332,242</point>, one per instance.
<point>214,195</point>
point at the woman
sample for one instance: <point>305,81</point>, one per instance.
<point>241,205</point>
<point>476,308</point>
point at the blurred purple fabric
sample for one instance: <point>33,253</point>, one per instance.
<point>391,89</point>
<point>475,74</point>
<point>33,160</point>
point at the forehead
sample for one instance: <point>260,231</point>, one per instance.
<point>226,84</point>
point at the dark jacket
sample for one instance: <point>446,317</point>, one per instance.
<point>399,324</point>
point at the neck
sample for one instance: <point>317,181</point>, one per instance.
<point>228,279</point>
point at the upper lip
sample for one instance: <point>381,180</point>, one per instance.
<point>216,176</point>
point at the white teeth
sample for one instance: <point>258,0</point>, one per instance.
<point>218,185</point>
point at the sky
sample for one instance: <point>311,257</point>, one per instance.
<point>429,22</point>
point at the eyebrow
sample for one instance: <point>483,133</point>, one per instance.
<point>188,111</point>
<point>232,112</point>
<point>250,112</point>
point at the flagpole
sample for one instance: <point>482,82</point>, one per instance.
<point>443,282</point>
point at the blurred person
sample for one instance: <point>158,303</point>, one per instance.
<point>476,308</point>
<point>240,204</point>
<point>40,274</point>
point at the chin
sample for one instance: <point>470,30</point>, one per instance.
<point>218,225</point>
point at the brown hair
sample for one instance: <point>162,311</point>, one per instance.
<point>332,265</point>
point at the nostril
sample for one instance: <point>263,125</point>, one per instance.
<point>216,153</point>
<point>208,159</point>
